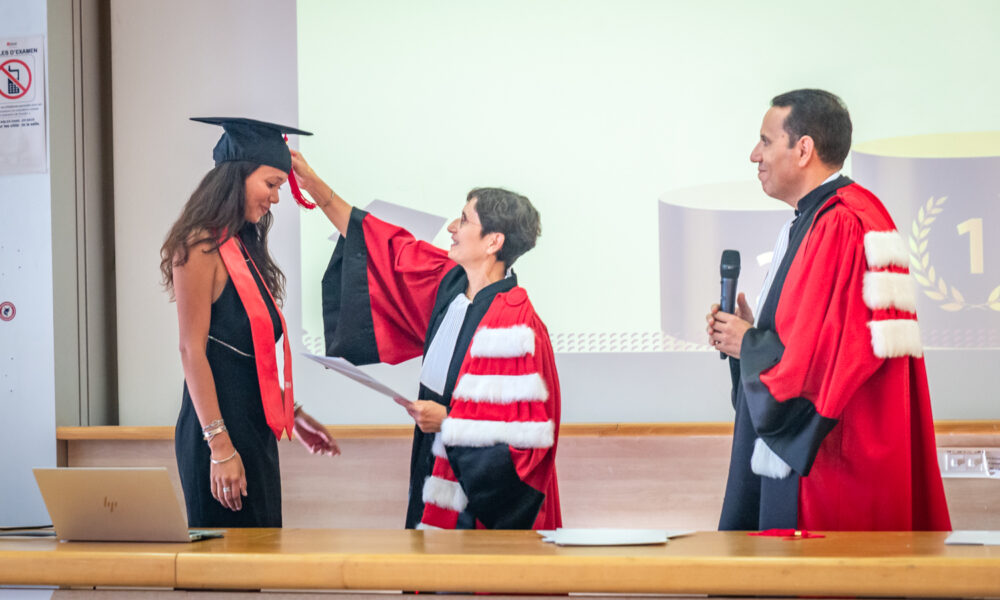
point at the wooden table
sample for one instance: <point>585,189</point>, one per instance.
<point>730,563</point>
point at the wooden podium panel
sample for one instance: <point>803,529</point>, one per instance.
<point>727,563</point>
<point>50,562</point>
<point>518,562</point>
<point>642,475</point>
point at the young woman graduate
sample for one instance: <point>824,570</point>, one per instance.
<point>216,263</point>
<point>487,413</point>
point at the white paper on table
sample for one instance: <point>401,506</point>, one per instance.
<point>977,538</point>
<point>610,537</point>
<point>344,367</point>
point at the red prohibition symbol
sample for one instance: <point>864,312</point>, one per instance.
<point>12,89</point>
<point>7,311</point>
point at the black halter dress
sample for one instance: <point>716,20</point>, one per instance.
<point>230,355</point>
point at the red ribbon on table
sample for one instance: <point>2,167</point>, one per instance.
<point>788,534</point>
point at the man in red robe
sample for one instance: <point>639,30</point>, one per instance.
<point>833,426</point>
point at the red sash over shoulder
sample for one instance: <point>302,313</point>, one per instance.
<point>278,404</point>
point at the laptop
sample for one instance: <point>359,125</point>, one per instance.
<point>115,505</point>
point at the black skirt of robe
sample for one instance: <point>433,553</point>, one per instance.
<point>238,391</point>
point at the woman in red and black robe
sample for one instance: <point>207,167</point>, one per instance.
<point>487,412</point>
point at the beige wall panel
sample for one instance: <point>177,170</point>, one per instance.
<point>671,482</point>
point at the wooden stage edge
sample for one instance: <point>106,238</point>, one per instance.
<point>114,432</point>
<point>907,564</point>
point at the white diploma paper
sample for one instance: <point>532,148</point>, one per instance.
<point>973,538</point>
<point>610,537</point>
<point>344,367</point>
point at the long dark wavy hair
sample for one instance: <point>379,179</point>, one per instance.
<point>214,213</point>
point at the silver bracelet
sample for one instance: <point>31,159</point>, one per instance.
<point>208,435</point>
<point>227,459</point>
<point>213,425</point>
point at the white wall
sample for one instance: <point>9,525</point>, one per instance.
<point>27,396</point>
<point>605,107</point>
<point>172,61</point>
<point>597,110</point>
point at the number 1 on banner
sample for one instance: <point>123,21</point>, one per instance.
<point>974,227</point>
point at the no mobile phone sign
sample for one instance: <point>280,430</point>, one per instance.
<point>15,77</point>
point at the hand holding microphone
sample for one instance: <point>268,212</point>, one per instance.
<point>729,320</point>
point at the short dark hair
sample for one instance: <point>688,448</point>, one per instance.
<point>823,117</point>
<point>502,211</point>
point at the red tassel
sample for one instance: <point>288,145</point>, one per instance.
<point>296,192</point>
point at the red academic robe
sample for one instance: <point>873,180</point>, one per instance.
<point>493,463</point>
<point>837,391</point>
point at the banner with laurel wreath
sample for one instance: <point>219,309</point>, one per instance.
<point>933,285</point>
<point>948,212</point>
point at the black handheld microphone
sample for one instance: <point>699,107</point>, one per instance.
<point>729,268</point>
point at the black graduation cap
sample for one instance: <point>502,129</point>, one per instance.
<point>252,140</point>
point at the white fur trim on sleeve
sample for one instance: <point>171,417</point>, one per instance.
<point>885,249</point>
<point>501,389</point>
<point>444,493</point>
<point>507,342</point>
<point>893,338</point>
<point>479,434</point>
<point>883,289</point>
<point>766,463</point>
<point>425,526</point>
<point>437,447</point>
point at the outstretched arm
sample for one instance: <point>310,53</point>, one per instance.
<point>333,206</point>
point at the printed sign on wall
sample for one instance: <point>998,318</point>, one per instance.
<point>22,106</point>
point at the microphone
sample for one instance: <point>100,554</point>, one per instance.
<point>729,268</point>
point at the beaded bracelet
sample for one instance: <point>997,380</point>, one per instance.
<point>227,459</point>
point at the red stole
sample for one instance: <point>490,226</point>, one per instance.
<point>278,405</point>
